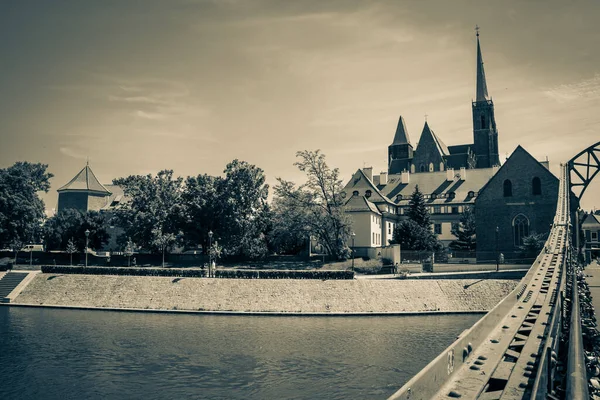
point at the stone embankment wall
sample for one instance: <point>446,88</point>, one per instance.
<point>273,296</point>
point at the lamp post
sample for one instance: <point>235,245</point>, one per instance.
<point>210,235</point>
<point>353,236</point>
<point>87,236</point>
<point>497,253</point>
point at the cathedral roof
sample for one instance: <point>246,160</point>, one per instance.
<point>428,134</point>
<point>85,180</point>
<point>482,93</point>
<point>401,136</point>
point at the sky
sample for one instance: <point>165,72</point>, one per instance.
<point>141,86</point>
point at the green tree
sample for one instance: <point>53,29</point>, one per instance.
<point>316,207</point>
<point>71,248</point>
<point>71,224</point>
<point>464,232</point>
<point>152,216</point>
<point>415,232</point>
<point>21,209</point>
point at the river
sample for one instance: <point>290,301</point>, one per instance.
<point>76,354</point>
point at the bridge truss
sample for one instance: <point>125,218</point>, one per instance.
<point>583,168</point>
<point>511,353</point>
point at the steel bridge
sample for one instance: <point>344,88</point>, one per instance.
<point>514,350</point>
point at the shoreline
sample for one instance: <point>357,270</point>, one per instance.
<point>291,297</point>
<point>250,313</point>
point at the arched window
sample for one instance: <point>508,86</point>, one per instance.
<point>355,193</point>
<point>483,122</point>
<point>412,168</point>
<point>520,229</point>
<point>507,188</point>
<point>430,167</point>
<point>442,166</point>
<point>422,168</point>
<point>536,186</point>
<point>368,194</point>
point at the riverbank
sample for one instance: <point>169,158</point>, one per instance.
<point>289,296</point>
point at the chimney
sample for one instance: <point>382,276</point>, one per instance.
<point>463,174</point>
<point>368,171</point>
<point>450,174</point>
<point>383,178</point>
<point>405,177</point>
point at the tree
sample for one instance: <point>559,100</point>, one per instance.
<point>245,213</point>
<point>202,201</point>
<point>71,224</point>
<point>464,232</point>
<point>415,232</point>
<point>417,211</point>
<point>162,241</point>
<point>21,209</point>
<point>152,216</point>
<point>532,245</point>
<point>129,247</point>
<point>316,207</point>
<point>71,248</point>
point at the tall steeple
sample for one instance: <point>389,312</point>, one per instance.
<point>400,152</point>
<point>482,94</point>
<point>485,134</point>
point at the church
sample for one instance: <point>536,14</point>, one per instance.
<point>451,179</point>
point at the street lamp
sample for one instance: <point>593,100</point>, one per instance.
<point>353,236</point>
<point>210,235</point>
<point>497,253</point>
<point>87,236</point>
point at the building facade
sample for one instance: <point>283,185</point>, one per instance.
<point>519,200</point>
<point>591,232</point>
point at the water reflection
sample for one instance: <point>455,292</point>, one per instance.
<point>71,354</point>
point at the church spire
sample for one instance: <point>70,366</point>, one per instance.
<point>482,94</point>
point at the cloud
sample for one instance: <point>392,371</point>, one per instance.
<point>588,89</point>
<point>149,115</point>
<point>73,153</point>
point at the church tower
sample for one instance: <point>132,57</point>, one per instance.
<point>485,134</point>
<point>400,152</point>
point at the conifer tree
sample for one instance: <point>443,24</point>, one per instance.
<point>415,232</point>
<point>417,210</point>
<point>464,232</point>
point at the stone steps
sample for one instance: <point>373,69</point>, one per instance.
<point>8,283</point>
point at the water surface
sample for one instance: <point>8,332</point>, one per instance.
<point>76,354</point>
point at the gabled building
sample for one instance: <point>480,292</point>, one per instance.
<point>519,200</point>
<point>447,194</point>
<point>591,231</point>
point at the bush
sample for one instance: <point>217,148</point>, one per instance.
<point>127,271</point>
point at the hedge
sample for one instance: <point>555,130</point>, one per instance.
<point>275,274</point>
<point>129,271</point>
<point>198,273</point>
